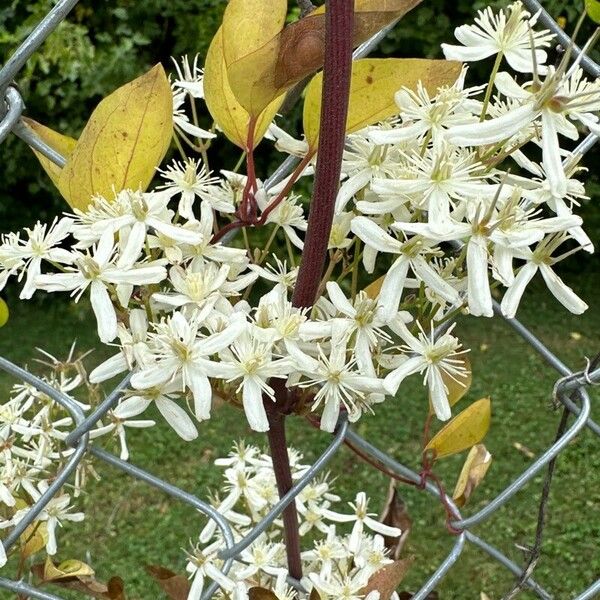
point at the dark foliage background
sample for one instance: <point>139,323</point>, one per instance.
<point>106,43</point>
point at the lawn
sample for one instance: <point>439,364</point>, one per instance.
<point>129,525</point>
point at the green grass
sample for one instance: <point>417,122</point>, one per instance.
<point>130,525</point>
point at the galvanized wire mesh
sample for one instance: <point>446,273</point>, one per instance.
<point>570,389</point>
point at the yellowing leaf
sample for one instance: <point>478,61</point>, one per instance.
<point>124,140</point>
<point>464,431</point>
<point>63,144</point>
<point>298,51</point>
<point>476,466</point>
<point>250,24</point>
<point>373,289</point>
<point>592,7</point>
<point>457,386</point>
<point>33,539</point>
<point>4,313</point>
<point>374,84</point>
<point>66,569</point>
<point>227,112</point>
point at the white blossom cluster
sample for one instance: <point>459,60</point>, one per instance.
<point>32,431</point>
<point>337,565</point>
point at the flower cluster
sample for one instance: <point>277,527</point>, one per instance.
<point>338,565</point>
<point>33,428</point>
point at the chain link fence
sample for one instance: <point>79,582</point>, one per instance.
<point>570,390</point>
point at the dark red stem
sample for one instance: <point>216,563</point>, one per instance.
<point>337,71</point>
<point>336,87</point>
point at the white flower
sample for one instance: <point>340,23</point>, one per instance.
<point>189,77</point>
<point>120,418</point>
<point>98,271</point>
<point>336,377</point>
<point>541,259</point>
<point>252,361</point>
<point>442,177</point>
<point>434,356</point>
<point>202,564</point>
<point>54,514</point>
<point>163,396</point>
<point>181,121</point>
<point>189,179</point>
<point>361,518</point>
<point>550,104</point>
<point>510,35</point>
<point>181,351</point>
<point>410,255</point>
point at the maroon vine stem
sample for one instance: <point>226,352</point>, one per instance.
<point>334,109</point>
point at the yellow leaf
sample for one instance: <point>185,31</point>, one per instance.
<point>476,466</point>
<point>66,569</point>
<point>298,51</point>
<point>63,144</point>
<point>374,84</point>
<point>250,24</point>
<point>4,313</point>
<point>123,142</point>
<point>226,111</point>
<point>457,386</point>
<point>373,289</point>
<point>465,430</point>
<point>33,539</point>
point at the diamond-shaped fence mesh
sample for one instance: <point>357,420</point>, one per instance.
<point>570,389</point>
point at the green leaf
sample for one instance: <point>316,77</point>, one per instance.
<point>592,7</point>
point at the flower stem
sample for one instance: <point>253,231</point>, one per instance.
<point>334,109</point>
<point>336,88</point>
<point>283,476</point>
<point>490,87</point>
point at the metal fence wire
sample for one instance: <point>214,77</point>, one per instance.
<point>570,389</point>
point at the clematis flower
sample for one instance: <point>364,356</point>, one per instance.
<point>410,255</point>
<point>434,356</point>
<point>508,33</point>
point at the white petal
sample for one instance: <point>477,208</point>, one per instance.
<point>492,130</point>
<point>411,365</point>
<point>177,418</point>
<point>109,368</point>
<point>511,299</point>
<point>253,405</point>
<point>479,294</point>
<point>438,395</point>
<point>562,292</point>
<point>373,235</point>
<point>104,311</point>
<point>551,158</point>
<point>131,407</point>
<point>392,288</point>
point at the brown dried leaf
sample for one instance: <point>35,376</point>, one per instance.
<point>176,587</point>
<point>314,595</point>
<point>298,51</point>
<point>476,466</point>
<point>395,514</point>
<point>387,579</point>
<point>116,589</point>
<point>259,593</point>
